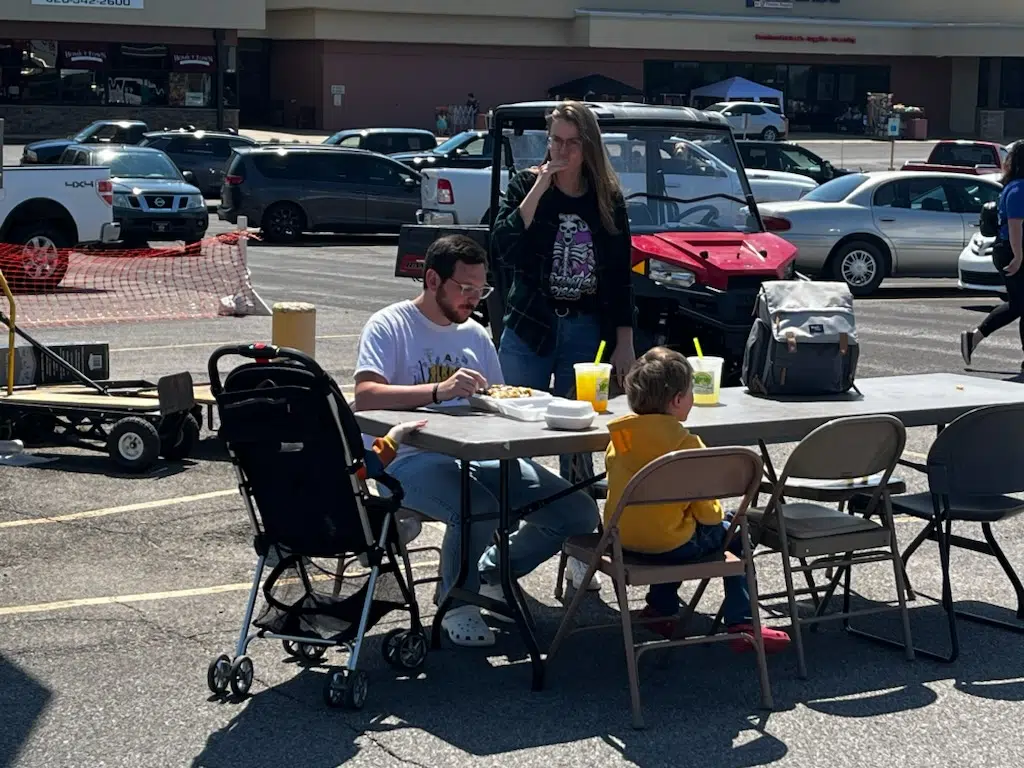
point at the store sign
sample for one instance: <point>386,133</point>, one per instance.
<point>197,61</point>
<point>770,38</point>
<point>114,4</point>
<point>82,56</point>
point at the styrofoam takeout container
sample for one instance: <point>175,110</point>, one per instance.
<point>520,408</point>
<point>569,414</point>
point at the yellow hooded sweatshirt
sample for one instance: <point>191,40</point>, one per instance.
<point>635,442</point>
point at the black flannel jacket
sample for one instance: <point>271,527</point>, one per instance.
<point>529,254</point>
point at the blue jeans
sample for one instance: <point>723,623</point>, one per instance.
<point>707,540</point>
<point>432,483</point>
<point>577,340</point>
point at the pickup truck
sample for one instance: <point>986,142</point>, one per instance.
<point>961,156</point>
<point>48,151</point>
<point>460,195</point>
<point>49,209</point>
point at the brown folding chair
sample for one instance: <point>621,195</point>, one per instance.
<point>682,476</point>
<point>848,448</point>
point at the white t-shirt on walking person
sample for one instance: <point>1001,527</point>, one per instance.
<point>401,344</point>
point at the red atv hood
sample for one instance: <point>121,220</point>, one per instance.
<point>715,257</point>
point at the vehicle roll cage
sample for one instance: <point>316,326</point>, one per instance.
<point>612,117</point>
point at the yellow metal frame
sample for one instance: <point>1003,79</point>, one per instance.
<point>10,333</point>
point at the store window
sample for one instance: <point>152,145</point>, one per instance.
<point>139,75</point>
<point>82,67</point>
<point>1011,89</point>
<point>191,80</point>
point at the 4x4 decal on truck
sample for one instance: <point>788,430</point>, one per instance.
<point>79,184</point>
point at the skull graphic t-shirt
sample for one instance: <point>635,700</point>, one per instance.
<point>573,276</point>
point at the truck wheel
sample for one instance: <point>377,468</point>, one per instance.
<point>283,223</point>
<point>133,444</point>
<point>41,264</point>
<point>861,265</point>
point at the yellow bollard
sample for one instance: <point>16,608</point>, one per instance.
<point>294,325</point>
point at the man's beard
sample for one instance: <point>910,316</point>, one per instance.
<point>453,313</point>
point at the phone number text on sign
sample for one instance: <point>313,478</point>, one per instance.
<point>91,3</point>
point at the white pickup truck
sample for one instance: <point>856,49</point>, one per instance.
<point>460,195</point>
<point>49,209</point>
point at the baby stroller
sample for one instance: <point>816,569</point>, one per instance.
<point>297,450</point>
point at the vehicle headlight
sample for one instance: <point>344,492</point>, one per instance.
<point>194,202</point>
<point>121,201</point>
<point>670,274</point>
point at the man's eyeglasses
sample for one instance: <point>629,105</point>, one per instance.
<point>477,291</point>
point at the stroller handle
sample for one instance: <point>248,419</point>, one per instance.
<point>260,352</point>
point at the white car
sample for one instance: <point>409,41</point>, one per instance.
<point>865,227</point>
<point>975,269</point>
<point>753,119</point>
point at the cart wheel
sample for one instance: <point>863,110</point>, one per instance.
<point>290,647</point>
<point>182,444</point>
<point>345,688</point>
<point>241,676</point>
<point>392,645</point>
<point>218,674</point>
<point>311,653</point>
<point>134,443</point>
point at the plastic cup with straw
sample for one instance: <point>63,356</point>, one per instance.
<point>593,381</point>
<point>707,376</point>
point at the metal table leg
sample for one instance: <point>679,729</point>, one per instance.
<point>457,589</point>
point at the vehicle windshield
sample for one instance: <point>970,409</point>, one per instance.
<point>837,190</point>
<point>452,144</point>
<point>693,166</point>
<point>138,165</point>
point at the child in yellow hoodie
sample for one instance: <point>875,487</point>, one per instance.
<point>659,389</point>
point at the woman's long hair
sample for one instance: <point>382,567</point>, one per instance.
<point>597,166</point>
<point>1013,166</point>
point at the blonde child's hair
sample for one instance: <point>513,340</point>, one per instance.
<point>656,378</point>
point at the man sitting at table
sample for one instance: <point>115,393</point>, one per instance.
<point>429,350</point>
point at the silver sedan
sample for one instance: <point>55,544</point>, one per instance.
<point>864,227</point>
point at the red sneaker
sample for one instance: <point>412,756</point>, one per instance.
<point>666,627</point>
<point>775,640</point>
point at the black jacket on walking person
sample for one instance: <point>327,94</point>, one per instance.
<point>1007,257</point>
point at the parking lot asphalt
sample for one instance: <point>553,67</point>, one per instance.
<point>116,592</point>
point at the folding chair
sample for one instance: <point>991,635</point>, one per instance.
<point>974,464</point>
<point>682,476</point>
<point>825,537</point>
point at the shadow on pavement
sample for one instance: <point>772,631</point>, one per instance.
<point>330,241</point>
<point>22,700</point>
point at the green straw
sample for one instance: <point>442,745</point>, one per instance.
<point>600,351</point>
<point>696,345</point>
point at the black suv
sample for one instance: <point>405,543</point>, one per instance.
<point>387,141</point>
<point>204,153</point>
<point>789,157</point>
<point>290,189</point>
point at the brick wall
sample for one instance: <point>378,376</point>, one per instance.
<point>37,121</point>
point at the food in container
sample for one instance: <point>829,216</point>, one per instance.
<point>569,414</point>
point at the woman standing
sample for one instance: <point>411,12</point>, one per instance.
<point>1008,256</point>
<point>563,230</point>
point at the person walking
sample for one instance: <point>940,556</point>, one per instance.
<point>1008,257</point>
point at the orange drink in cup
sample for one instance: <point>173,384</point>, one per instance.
<point>593,381</point>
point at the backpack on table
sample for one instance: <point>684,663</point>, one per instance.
<point>803,340</point>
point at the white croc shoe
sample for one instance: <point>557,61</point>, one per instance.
<point>576,570</point>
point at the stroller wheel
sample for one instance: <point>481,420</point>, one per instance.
<point>405,648</point>
<point>345,688</point>
<point>241,676</point>
<point>219,673</point>
<point>304,651</point>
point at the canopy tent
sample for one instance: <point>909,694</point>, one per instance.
<point>599,86</point>
<point>736,89</point>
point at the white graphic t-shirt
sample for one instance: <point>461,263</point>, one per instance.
<point>402,345</point>
<point>574,264</point>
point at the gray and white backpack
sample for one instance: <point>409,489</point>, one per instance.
<point>803,341</point>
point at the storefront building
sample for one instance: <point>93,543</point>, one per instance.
<point>335,64</point>
<point>65,63</point>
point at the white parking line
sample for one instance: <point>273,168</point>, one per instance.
<point>60,605</point>
<point>138,507</point>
